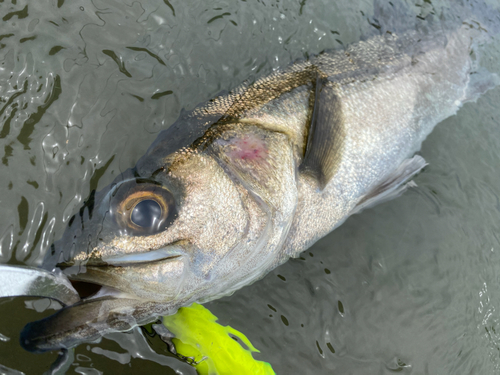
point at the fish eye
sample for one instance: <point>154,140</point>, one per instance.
<point>146,213</point>
<point>142,208</point>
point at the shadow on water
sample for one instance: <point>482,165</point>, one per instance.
<point>409,286</point>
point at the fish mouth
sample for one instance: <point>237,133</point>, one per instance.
<point>89,277</point>
<point>85,289</point>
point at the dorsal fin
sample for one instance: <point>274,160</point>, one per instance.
<point>326,135</point>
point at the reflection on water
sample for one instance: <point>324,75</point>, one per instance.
<point>408,286</point>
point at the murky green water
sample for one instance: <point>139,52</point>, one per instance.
<point>409,286</point>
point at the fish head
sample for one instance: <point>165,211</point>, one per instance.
<point>187,231</point>
<point>187,223</point>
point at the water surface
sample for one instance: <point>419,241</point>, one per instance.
<point>410,286</point>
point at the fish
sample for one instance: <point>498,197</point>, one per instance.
<point>241,183</point>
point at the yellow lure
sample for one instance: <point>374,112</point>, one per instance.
<point>214,351</point>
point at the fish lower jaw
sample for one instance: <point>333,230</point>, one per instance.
<point>89,290</point>
<point>107,291</point>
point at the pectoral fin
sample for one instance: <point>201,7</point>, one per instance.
<point>393,185</point>
<point>480,82</point>
<point>326,135</point>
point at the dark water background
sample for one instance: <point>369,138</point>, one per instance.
<point>410,286</point>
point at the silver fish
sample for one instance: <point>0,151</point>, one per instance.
<point>244,182</point>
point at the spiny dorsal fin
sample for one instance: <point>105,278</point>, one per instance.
<point>326,135</point>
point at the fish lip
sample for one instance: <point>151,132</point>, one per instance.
<point>159,255</point>
<point>137,263</point>
<point>169,252</point>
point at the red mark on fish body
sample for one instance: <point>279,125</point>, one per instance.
<point>248,147</point>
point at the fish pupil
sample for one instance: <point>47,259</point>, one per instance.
<point>146,213</point>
